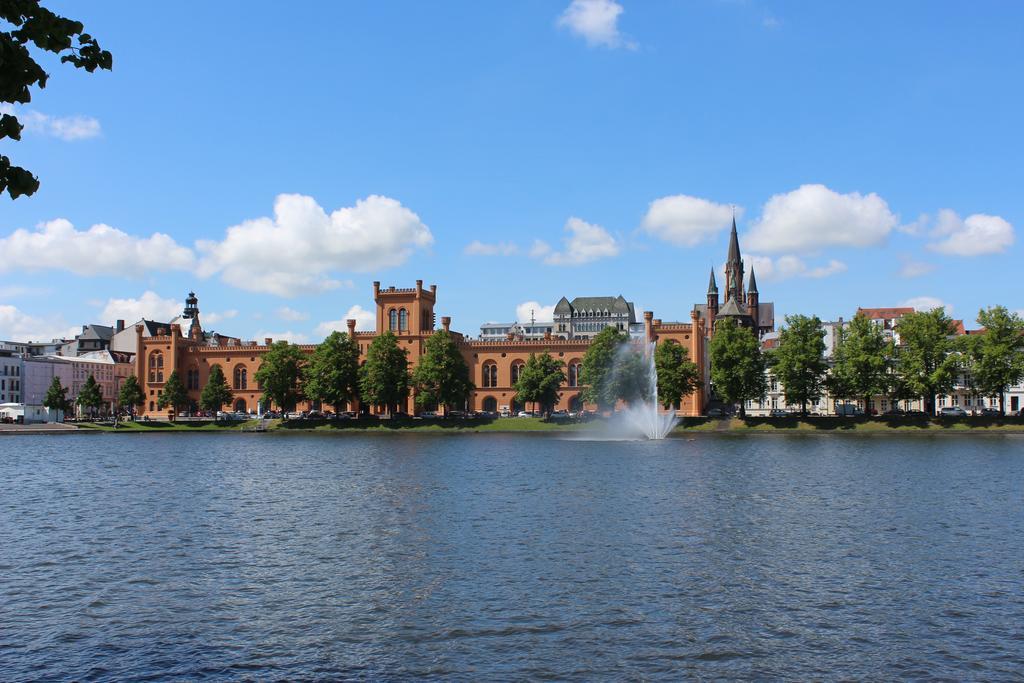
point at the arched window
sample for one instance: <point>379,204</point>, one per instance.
<point>490,374</point>
<point>491,404</point>
<point>192,379</point>
<point>575,373</point>
<point>517,368</point>
<point>241,377</point>
<point>393,320</point>
<point>403,320</point>
<point>240,405</point>
<point>156,367</point>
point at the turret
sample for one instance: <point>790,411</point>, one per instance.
<point>712,296</point>
<point>752,300</point>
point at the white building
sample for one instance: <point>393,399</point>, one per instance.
<point>10,378</point>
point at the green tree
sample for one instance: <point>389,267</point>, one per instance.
<point>862,363</point>
<point>173,394</point>
<point>539,381</point>
<point>216,392</point>
<point>89,397</point>
<point>924,360</point>
<point>332,374</point>
<point>441,377</point>
<point>678,376</point>
<point>384,379</point>
<point>996,356</point>
<point>737,365</point>
<point>631,375</point>
<point>57,397</point>
<point>279,374</point>
<point>131,395</point>
<point>25,23</point>
<point>799,361</point>
<point>598,368</point>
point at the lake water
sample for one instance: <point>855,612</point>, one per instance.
<point>493,557</point>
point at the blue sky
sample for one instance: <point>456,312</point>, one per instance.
<point>516,152</point>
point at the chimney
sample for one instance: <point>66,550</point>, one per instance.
<point>419,286</point>
<point>547,335</point>
<point>433,290</point>
<point>376,288</point>
<point>267,341</point>
<point>351,327</point>
<point>119,326</point>
<point>649,325</point>
<point>446,322</point>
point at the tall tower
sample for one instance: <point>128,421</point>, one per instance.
<point>195,330</point>
<point>752,301</point>
<point>734,269</point>
<point>712,296</point>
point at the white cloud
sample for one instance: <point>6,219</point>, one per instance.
<point>294,252</point>
<point>770,22</point>
<point>150,306</point>
<point>586,242</point>
<point>286,313</point>
<point>975,235</point>
<point>813,217</point>
<point>366,321</point>
<point>215,317</point>
<point>100,250</point>
<point>478,248</point>
<point>289,336</point>
<point>539,312</point>
<point>596,21</point>
<point>927,303</point>
<point>16,325</point>
<point>790,266</point>
<point>68,128</point>
<point>686,221</point>
<point>911,268</point>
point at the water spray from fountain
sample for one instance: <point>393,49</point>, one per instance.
<point>635,371</point>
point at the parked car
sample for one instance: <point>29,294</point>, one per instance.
<point>990,412</point>
<point>716,412</point>
<point>892,412</point>
<point>778,412</point>
<point>430,414</point>
<point>524,413</point>
<point>952,411</point>
<point>848,410</point>
<point>560,413</point>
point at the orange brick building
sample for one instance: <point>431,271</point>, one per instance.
<point>410,314</point>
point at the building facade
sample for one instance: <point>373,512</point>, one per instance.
<point>585,316</point>
<point>409,313</point>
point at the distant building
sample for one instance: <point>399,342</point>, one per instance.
<point>501,331</point>
<point>92,338</point>
<point>10,377</point>
<point>585,316</point>
<point>743,307</point>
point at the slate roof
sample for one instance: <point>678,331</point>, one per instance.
<point>612,304</point>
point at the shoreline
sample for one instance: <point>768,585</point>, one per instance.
<point>688,427</point>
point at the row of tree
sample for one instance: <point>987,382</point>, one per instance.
<point>927,362</point>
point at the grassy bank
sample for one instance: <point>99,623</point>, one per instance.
<point>856,424</point>
<point>160,426</point>
<point>838,425</point>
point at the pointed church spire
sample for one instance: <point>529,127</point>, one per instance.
<point>752,288</point>
<point>712,285</point>
<point>734,244</point>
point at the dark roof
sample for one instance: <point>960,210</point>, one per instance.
<point>712,285</point>
<point>766,315</point>
<point>752,288</point>
<point>152,327</point>
<point>563,306</point>
<point>731,310</point>
<point>612,304</point>
<point>104,332</point>
<point>734,245</point>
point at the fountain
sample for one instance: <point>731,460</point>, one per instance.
<point>642,417</point>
